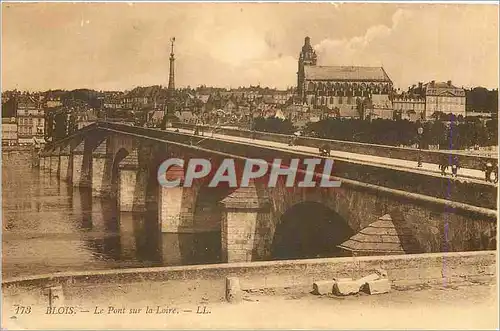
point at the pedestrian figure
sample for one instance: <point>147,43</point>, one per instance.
<point>196,131</point>
<point>419,161</point>
<point>455,166</point>
<point>291,142</point>
<point>443,165</point>
<point>488,169</point>
<point>495,173</point>
<point>324,150</point>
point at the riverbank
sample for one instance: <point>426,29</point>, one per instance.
<point>469,306</point>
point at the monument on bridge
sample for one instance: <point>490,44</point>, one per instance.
<point>169,116</point>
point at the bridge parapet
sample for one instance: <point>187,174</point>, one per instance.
<point>474,193</point>
<point>479,194</point>
<point>404,153</point>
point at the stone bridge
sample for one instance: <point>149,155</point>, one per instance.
<point>258,222</point>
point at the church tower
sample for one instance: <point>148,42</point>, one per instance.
<point>307,57</point>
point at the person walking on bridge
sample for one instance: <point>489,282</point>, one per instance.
<point>495,173</point>
<point>491,168</point>
<point>443,164</point>
<point>455,166</point>
<point>325,150</point>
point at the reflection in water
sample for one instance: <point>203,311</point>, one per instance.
<point>49,226</point>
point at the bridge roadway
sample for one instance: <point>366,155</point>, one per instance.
<point>469,175</point>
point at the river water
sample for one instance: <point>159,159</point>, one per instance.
<point>49,226</point>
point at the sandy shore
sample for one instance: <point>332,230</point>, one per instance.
<point>464,307</point>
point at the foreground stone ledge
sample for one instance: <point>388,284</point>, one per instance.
<point>252,275</point>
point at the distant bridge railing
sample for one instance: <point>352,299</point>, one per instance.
<point>405,153</point>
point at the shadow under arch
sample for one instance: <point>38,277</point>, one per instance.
<point>207,218</point>
<point>119,156</point>
<point>309,230</point>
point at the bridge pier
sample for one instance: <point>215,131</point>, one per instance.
<point>101,170</point>
<point>54,162</point>
<point>65,165</point>
<point>79,176</point>
<point>245,216</point>
<point>132,184</point>
<point>176,206</point>
<point>42,161</point>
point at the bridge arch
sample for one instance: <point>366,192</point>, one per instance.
<point>309,230</point>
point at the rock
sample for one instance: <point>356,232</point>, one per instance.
<point>382,273</point>
<point>233,290</point>
<point>378,286</point>
<point>346,287</point>
<point>323,287</point>
<point>368,278</point>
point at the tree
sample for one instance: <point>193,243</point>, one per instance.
<point>437,116</point>
<point>482,100</point>
<point>273,124</point>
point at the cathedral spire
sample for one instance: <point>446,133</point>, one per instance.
<point>308,55</point>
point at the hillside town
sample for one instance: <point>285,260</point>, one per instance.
<point>334,93</point>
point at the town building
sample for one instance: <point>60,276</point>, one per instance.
<point>444,97</point>
<point>344,88</point>
<point>53,102</point>
<point>113,100</point>
<point>409,107</point>
<point>9,131</point>
<point>30,120</point>
<point>150,97</point>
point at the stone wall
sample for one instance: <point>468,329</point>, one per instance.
<point>436,227</point>
<point>402,270</point>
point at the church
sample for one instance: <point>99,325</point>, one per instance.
<point>344,91</point>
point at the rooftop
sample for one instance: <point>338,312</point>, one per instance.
<point>348,73</point>
<point>384,236</point>
<point>443,89</point>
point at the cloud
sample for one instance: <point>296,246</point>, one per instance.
<point>122,45</point>
<point>356,47</point>
<point>424,44</point>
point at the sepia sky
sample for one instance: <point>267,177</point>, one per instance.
<point>117,46</point>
